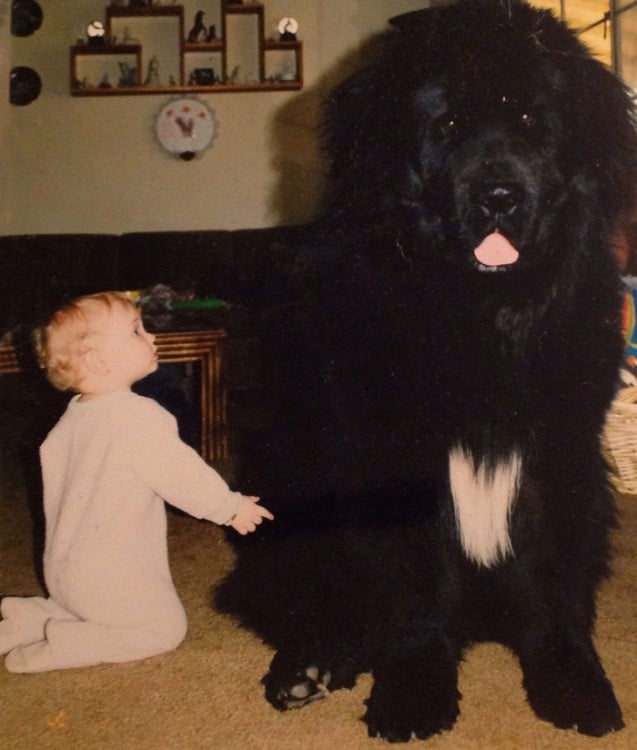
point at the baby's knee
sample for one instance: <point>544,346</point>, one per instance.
<point>176,635</point>
<point>171,633</point>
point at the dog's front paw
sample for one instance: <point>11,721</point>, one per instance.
<point>295,687</point>
<point>409,703</point>
<point>400,717</point>
<point>566,685</point>
<point>589,706</point>
<point>295,680</point>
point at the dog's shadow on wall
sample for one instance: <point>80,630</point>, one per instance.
<point>295,139</point>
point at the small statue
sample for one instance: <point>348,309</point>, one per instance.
<point>152,76</point>
<point>127,74</point>
<point>198,29</point>
<point>287,29</point>
<point>289,72</point>
<point>234,76</point>
<point>202,77</point>
<point>96,34</point>
<point>212,33</point>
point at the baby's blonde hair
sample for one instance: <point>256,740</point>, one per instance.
<point>61,344</point>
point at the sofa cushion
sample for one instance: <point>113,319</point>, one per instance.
<point>41,271</point>
<point>185,261</point>
<point>250,266</point>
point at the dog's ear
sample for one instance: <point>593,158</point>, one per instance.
<point>408,21</point>
<point>416,19</point>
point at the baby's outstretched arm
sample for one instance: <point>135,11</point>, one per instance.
<point>249,515</point>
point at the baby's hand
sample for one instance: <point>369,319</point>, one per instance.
<point>249,515</point>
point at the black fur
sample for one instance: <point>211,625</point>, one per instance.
<point>400,347</point>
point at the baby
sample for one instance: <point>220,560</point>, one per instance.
<point>108,466</point>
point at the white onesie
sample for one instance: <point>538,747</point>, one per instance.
<point>107,467</point>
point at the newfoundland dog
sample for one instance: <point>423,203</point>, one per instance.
<point>440,373</point>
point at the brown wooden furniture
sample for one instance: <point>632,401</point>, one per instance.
<point>91,62</point>
<point>203,348</point>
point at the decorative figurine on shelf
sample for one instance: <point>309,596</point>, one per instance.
<point>152,75</point>
<point>202,77</point>
<point>234,76</point>
<point>289,71</point>
<point>198,28</point>
<point>105,82</point>
<point>212,33</point>
<point>127,75</point>
<point>95,32</point>
<point>287,29</point>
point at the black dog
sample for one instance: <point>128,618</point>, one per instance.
<point>441,379</point>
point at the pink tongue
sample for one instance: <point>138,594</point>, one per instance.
<point>496,250</point>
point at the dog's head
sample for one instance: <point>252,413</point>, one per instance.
<point>481,131</point>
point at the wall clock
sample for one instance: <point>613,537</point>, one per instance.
<point>185,127</point>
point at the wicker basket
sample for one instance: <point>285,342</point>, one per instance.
<point>619,440</point>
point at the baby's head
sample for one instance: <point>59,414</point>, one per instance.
<point>73,331</point>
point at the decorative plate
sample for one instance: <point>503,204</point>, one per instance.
<point>26,17</point>
<point>185,127</point>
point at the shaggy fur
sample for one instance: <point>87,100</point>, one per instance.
<point>405,358</point>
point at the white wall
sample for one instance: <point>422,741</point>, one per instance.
<point>73,164</point>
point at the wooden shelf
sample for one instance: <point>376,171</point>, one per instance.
<point>204,348</point>
<point>242,8</point>
<point>88,79</point>
<point>217,88</point>
<point>215,46</point>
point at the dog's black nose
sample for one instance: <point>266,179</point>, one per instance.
<point>499,199</point>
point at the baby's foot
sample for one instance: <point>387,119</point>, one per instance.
<point>13,634</point>
<point>33,657</point>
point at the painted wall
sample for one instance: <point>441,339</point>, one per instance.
<point>74,164</point>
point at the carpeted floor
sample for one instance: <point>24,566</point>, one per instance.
<point>207,696</point>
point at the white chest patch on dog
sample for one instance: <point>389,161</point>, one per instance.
<point>483,499</point>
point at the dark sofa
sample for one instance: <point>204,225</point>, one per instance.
<point>248,268</point>
<point>39,271</point>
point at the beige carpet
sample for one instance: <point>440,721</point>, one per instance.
<point>207,696</point>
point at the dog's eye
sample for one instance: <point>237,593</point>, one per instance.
<point>527,119</point>
<point>451,127</point>
<point>447,128</point>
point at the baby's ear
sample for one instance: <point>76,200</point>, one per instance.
<point>94,363</point>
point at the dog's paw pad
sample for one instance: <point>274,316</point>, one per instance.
<point>303,688</point>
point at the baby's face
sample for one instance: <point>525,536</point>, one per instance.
<point>127,349</point>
